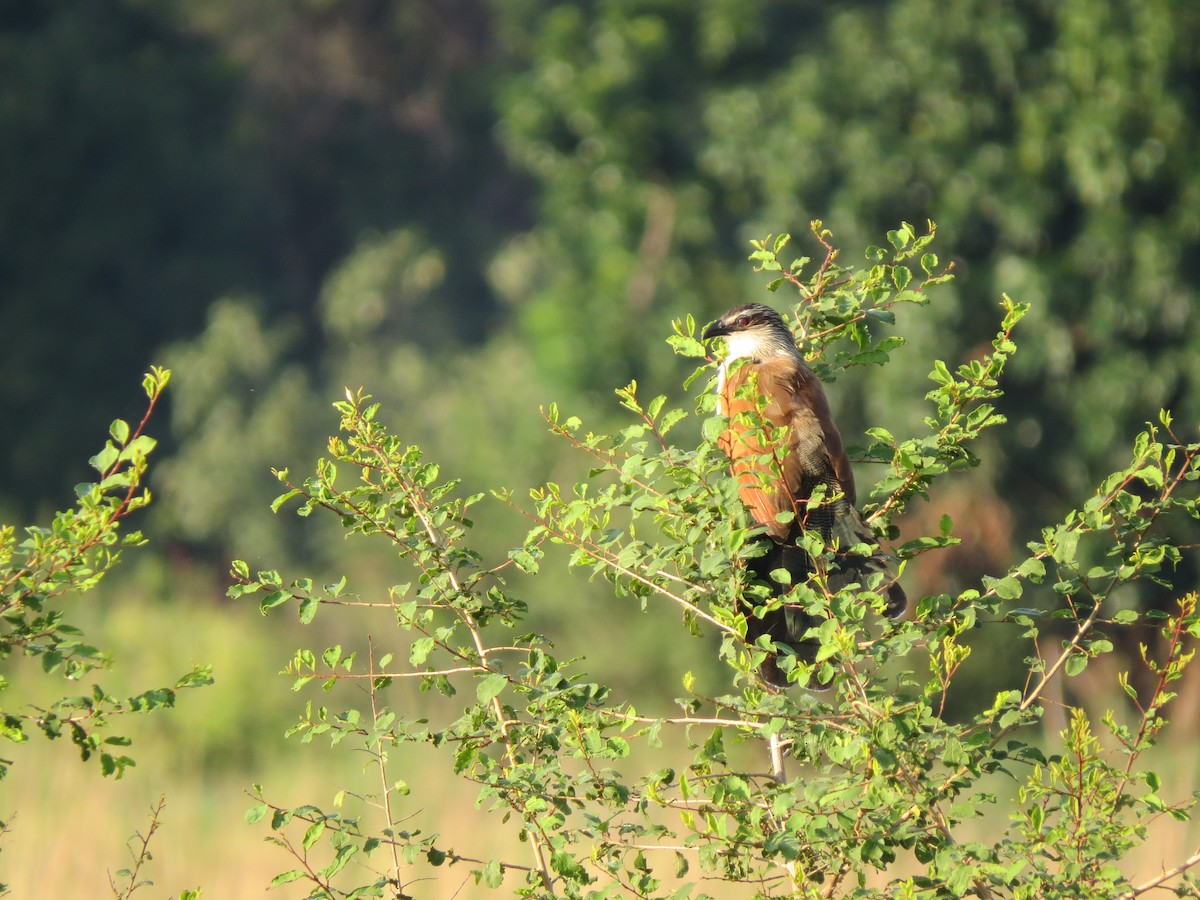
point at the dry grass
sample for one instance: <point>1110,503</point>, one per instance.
<point>69,827</point>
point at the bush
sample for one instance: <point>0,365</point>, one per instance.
<point>883,787</point>
<point>42,575</point>
<point>56,563</point>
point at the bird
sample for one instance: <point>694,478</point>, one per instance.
<point>783,445</point>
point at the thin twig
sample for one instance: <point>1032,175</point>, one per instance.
<point>681,720</point>
<point>1166,876</point>
<point>380,754</point>
<point>778,773</point>
<point>141,857</point>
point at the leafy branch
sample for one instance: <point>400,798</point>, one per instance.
<point>68,558</point>
<point>879,774</point>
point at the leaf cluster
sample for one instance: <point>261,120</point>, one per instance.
<point>52,564</point>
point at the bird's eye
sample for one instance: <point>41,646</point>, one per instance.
<point>743,321</point>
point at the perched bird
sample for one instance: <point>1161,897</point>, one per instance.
<point>783,444</point>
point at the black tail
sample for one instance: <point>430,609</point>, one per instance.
<point>786,626</point>
<point>848,530</point>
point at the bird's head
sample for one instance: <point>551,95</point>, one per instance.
<point>752,330</point>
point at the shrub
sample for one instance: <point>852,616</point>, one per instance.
<point>53,566</point>
<point>863,776</point>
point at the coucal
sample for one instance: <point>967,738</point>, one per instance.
<point>783,444</point>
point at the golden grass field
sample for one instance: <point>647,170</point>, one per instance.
<point>69,828</point>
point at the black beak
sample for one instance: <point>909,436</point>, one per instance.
<point>716,329</point>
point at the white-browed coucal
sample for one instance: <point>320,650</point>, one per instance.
<point>783,445</point>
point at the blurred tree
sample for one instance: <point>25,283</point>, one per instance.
<point>122,211</point>
<point>372,116</point>
<point>156,156</point>
<point>1055,143</point>
<point>377,174</point>
<point>241,407</point>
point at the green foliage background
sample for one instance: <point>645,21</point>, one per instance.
<point>474,208</point>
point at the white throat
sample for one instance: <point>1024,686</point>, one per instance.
<point>742,343</point>
<point>748,344</point>
<point>738,345</point>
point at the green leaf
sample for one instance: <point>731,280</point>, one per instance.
<point>490,687</point>
<point>287,877</point>
<point>493,874</point>
<point>344,853</point>
<point>282,499</point>
<point>940,373</point>
<point>1033,569</point>
<point>681,865</point>
<point>685,345</point>
<point>1152,475</point>
<point>1007,588</point>
<point>103,461</point>
<point>273,599</point>
<point>308,609</point>
<point>567,866</point>
<point>420,650</point>
<point>712,428</point>
<point>141,445</point>
<point>1023,613</point>
<point>882,435</point>
<point>256,814</point>
<point>524,560</point>
<point>783,843</point>
<point>313,833</point>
